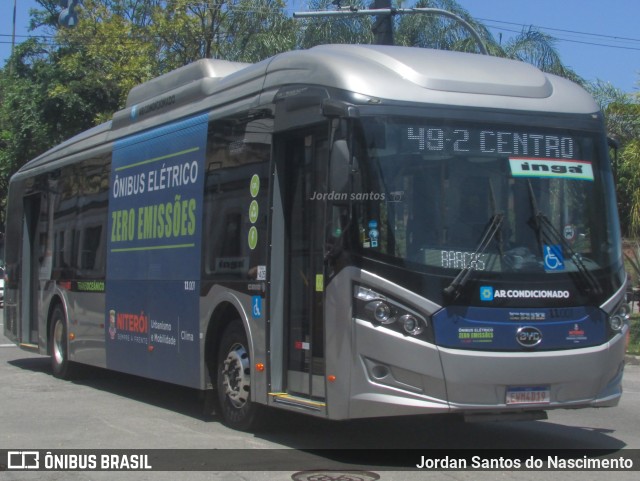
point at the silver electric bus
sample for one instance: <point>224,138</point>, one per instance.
<point>347,231</point>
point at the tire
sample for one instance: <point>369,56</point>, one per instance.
<point>233,381</point>
<point>58,346</point>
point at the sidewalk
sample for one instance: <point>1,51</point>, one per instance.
<point>630,359</point>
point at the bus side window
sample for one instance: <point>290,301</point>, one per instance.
<point>90,243</point>
<point>236,153</point>
<point>80,218</point>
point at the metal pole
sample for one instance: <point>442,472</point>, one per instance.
<point>383,26</point>
<point>354,12</point>
<point>13,37</point>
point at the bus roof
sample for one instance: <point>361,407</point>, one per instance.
<point>407,74</point>
<point>430,76</point>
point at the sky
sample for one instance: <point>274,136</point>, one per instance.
<point>599,40</point>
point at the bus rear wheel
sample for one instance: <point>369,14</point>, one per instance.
<point>233,380</point>
<point>58,347</point>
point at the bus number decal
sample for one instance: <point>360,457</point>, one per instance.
<point>463,260</point>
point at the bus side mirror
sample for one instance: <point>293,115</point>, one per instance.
<point>340,158</point>
<point>339,167</point>
<point>340,208</point>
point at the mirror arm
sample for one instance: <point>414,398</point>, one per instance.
<point>341,132</point>
<point>338,108</point>
<point>615,145</point>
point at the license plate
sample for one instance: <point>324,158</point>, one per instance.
<point>529,395</point>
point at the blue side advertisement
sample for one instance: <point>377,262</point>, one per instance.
<point>513,329</point>
<point>154,250</point>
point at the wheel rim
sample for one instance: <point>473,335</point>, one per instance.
<point>236,379</point>
<point>58,342</point>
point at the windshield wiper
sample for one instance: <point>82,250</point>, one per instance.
<point>461,279</point>
<point>494,209</point>
<point>545,229</point>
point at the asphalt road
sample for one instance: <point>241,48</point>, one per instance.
<point>103,410</point>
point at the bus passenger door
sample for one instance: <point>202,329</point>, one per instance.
<point>302,178</point>
<point>36,264</point>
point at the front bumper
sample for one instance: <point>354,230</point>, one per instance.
<point>396,375</point>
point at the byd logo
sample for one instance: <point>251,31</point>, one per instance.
<point>529,336</point>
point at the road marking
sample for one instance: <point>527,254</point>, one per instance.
<point>7,345</point>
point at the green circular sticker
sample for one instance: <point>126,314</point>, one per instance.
<point>253,238</point>
<point>253,211</point>
<point>254,187</point>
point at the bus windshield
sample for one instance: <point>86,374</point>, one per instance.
<point>452,195</point>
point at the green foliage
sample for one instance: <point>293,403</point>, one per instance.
<point>25,123</point>
<point>319,30</point>
<point>632,256</point>
<point>634,335</point>
<point>440,32</point>
<point>538,48</point>
<point>622,114</point>
<point>258,29</point>
<point>622,111</point>
<point>183,31</point>
<point>628,188</point>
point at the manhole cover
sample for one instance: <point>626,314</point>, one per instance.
<point>335,476</point>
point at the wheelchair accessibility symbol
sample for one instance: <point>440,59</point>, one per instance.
<point>553,258</point>
<point>256,307</point>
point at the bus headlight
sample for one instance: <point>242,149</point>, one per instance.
<point>618,319</point>
<point>383,311</point>
<point>411,325</point>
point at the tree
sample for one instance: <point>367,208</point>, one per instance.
<point>622,116</point>
<point>258,29</point>
<point>27,116</point>
<point>629,188</point>
<point>345,30</point>
<point>99,61</point>
<point>620,109</point>
<point>66,82</point>
<point>538,48</point>
<point>440,32</point>
<point>431,30</point>
<point>236,30</point>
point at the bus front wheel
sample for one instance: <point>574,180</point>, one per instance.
<point>234,380</point>
<point>58,346</point>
